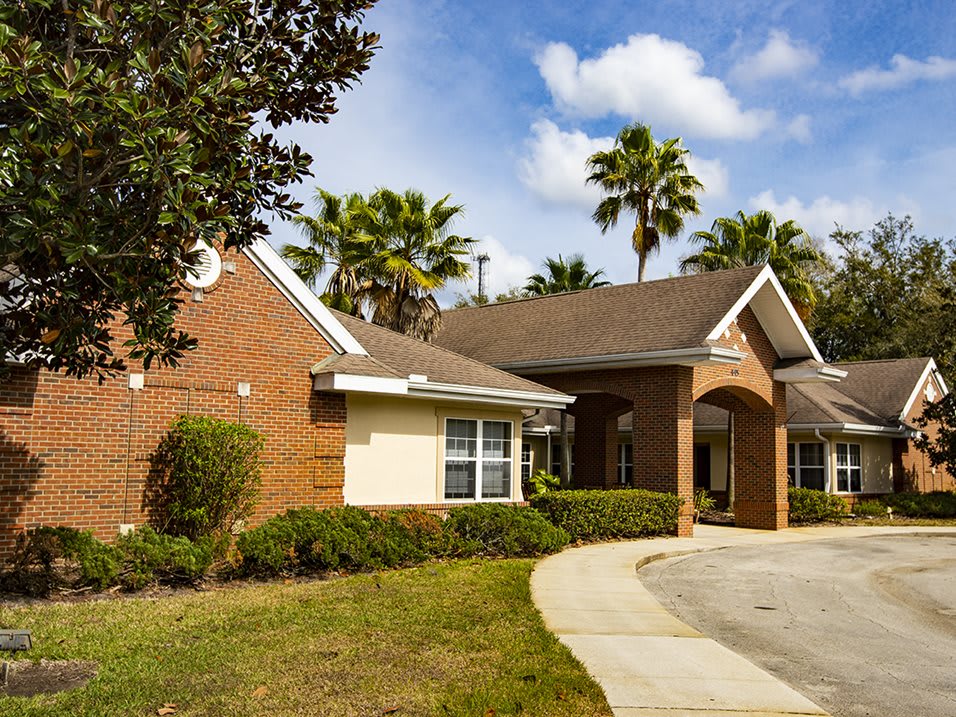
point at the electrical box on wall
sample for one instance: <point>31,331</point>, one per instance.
<point>244,389</point>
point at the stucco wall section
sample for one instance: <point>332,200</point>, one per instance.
<point>394,449</point>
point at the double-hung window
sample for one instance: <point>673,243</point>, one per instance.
<point>477,459</point>
<point>805,465</point>
<point>849,468</point>
<point>625,463</point>
<point>526,460</point>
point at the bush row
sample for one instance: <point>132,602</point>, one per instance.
<point>813,506</point>
<point>939,504</point>
<point>48,558</point>
<point>602,514</point>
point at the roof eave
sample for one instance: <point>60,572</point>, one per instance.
<point>697,356</point>
<point>853,428</point>
<point>808,374</point>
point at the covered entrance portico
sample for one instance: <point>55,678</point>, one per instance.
<point>729,339</point>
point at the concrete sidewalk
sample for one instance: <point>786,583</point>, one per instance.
<point>649,663</point>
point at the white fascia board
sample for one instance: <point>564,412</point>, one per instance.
<point>766,275</point>
<point>299,295</point>
<point>808,374</point>
<point>482,394</point>
<point>855,428</point>
<point>930,370</point>
<point>349,383</point>
<point>672,357</point>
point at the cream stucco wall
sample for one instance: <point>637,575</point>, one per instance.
<point>394,448</point>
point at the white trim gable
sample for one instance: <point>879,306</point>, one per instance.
<point>930,370</point>
<point>766,295</point>
<point>301,297</point>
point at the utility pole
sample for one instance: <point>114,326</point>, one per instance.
<point>482,259</point>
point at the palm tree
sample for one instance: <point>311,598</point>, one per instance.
<point>751,240</point>
<point>336,238</point>
<point>649,179</point>
<point>415,254</point>
<point>572,275</point>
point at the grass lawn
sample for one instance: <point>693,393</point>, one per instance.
<point>458,638</point>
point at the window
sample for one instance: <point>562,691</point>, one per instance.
<point>849,468</point>
<point>526,460</point>
<point>625,464</point>
<point>477,459</point>
<point>806,465</point>
<point>556,459</point>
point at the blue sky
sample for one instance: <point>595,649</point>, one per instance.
<point>819,111</point>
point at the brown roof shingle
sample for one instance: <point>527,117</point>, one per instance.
<point>402,355</point>
<point>629,318</point>
<point>884,386</point>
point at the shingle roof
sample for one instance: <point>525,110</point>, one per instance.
<point>885,386</point>
<point>821,403</point>
<point>398,355</point>
<point>658,315</point>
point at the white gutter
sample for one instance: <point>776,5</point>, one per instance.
<point>808,374</point>
<point>697,356</point>
<point>858,428</point>
<point>827,478</point>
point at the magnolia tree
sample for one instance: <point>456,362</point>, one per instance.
<point>130,132</point>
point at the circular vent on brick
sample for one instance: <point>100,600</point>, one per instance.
<point>207,270</point>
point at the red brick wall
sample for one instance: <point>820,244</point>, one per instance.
<point>911,467</point>
<point>77,452</point>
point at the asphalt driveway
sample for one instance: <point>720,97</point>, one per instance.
<point>861,626</point>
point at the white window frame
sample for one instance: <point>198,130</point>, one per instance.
<point>555,465</point>
<point>623,464</point>
<point>797,467</point>
<point>849,468</point>
<point>529,464</point>
<point>479,460</point>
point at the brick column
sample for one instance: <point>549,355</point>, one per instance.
<point>595,442</point>
<point>761,466</point>
<point>663,435</point>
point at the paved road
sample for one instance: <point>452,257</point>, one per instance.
<point>863,627</point>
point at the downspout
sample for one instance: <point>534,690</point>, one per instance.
<point>826,465</point>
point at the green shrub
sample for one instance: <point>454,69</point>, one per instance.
<point>869,508</point>
<point>541,482</point>
<point>598,514</point>
<point>149,556</point>
<point>939,504</point>
<point>50,557</point>
<point>813,506</point>
<point>347,537</point>
<point>205,477</point>
<point>504,530</point>
<point>703,500</point>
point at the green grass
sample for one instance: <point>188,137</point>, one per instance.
<point>458,638</point>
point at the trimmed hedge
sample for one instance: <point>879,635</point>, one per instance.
<point>939,504</point>
<point>599,514</point>
<point>814,506</point>
<point>504,530</point>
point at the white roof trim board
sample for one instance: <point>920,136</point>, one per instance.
<point>301,297</point>
<point>414,388</point>
<point>682,357</point>
<point>930,370</point>
<point>765,295</point>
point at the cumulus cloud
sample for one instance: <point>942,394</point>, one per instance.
<point>554,167</point>
<point>780,57</point>
<point>799,129</point>
<point>903,71</point>
<point>651,79</point>
<point>822,214</point>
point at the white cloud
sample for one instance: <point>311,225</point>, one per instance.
<point>505,269</point>
<point>780,57</point>
<point>554,167</point>
<point>650,79</point>
<point>903,70</point>
<point>799,129</point>
<point>822,214</point>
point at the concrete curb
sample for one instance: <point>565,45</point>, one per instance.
<point>648,662</point>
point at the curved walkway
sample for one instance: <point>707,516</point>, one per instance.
<point>649,663</point>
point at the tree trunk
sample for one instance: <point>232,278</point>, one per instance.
<point>730,461</point>
<point>565,452</point>
<point>641,265</point>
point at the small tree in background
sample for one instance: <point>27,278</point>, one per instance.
<point>940,448</point>
<point>205,478</point>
